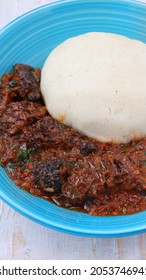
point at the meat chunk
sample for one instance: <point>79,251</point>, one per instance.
<point>49,132</point>
<point>19,114</point>
<point>50,176</point>
<point>105,173</point>
<point>21,84</point>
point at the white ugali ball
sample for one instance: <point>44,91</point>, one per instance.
<point>96,83</point>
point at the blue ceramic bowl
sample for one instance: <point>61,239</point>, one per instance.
<point>29,39</point>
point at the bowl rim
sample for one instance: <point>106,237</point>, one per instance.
<point>34,216</point>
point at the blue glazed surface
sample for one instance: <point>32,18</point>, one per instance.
<point>29,39</point>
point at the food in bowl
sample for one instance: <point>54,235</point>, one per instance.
<point>54,161</point>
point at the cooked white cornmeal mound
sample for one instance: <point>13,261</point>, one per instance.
<point>96,83</point>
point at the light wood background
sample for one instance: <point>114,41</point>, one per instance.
<point>21,238</point>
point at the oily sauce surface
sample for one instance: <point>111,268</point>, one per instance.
<point>53,161</point>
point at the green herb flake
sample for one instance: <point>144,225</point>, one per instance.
<point>32,151</point>
<point>24,155</point>
<point>73,163</point>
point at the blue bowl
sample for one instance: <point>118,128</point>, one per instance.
<point>29,39</point>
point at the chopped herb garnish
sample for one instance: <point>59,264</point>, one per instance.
<point>32,150</point>
<point>24,154</point>
<point>73,163</point>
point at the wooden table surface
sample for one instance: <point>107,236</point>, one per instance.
<point>21,238</point>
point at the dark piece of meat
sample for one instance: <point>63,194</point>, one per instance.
<point>50,175</point>
<point>22,84</point>
<point>117,170</point>
<point>105,173</point>
<point>17,115</point>
<point>49,132</point>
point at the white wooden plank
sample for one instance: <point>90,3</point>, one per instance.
<point>10,9</point>
<point>21,238</point>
